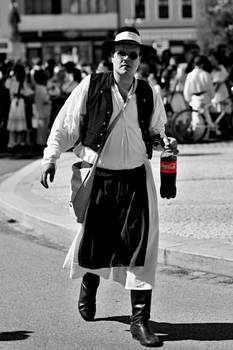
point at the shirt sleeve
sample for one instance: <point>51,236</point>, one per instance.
<point>159,117</point>
<point>210,87</point>
<point>187,89</point>
<point>65,129</point>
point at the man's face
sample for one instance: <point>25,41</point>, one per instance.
<point>126,59</point>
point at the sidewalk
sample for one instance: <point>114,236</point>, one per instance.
<point>196,228</point>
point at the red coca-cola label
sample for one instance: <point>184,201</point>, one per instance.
<point>168,167</point>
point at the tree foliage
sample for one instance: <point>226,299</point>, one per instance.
<point>215,24</point>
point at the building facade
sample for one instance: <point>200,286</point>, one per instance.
<point>63,29</point>
<point>163,23</point>
<point>6,47</point>
<point>75,29</point>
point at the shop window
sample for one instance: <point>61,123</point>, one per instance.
<point>140,9</point>
<point>88,6</point>
<point>64,52</point>
<point>187,9</point>
<point>33,7</point>
<point>163,9</point>
<point>56,6</point>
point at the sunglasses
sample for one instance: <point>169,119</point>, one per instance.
<point>131,55</point>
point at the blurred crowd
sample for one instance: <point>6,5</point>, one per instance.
<point>197,81</point>
<point>32,95</point>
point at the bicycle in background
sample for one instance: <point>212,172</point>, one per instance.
<point>183,128</point>
<point>222,115</point>
<point>190,126</point>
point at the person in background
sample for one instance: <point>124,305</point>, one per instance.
<point>104,66</point>
<point>20,93</point>
<point>143,71</point>
<point>14,19</point>
<point>165,59</point>
<point>54,87</point>
<point>199,91</point>
<point>42,107</point>
<point>4,109</point>
<point>49,67</point>
<point>85,68</point>
<point>154,81</point>
<point>219,76</point>
<point>176,89</point>
<point>122,216</point>
<point>29,103</point>
<point>72,80</point>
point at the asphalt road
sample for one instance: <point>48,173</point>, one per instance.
<point>38,303</point>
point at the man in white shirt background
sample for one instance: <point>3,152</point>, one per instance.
<point>199,91</point>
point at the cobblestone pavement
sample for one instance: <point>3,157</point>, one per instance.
<point>203,206</point>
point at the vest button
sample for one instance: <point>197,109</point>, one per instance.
<point>98,146</point>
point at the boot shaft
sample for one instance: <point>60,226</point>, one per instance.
<point>139,327</point>
<point>91,281</point>
<point>141,305</point>
<point>87,296</point>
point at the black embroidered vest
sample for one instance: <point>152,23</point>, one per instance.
<point>94,125</point>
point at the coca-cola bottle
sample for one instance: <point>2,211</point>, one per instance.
<point>168,168</point>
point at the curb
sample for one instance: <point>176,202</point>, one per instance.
<point>200,255</point>
<point>29,214</point>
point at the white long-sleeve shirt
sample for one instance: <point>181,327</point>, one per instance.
<point>197,81</point>
<point>124,148</point>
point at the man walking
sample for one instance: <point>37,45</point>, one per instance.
<point>199,92</point>
<point>119,238</point>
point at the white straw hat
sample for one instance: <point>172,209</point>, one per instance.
<point>126,35</point>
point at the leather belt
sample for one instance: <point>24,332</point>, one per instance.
<point>199,93</point>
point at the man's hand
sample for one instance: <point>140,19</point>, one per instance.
<point>47,170</point>
<point>173,145</point>
<point>170,143</point>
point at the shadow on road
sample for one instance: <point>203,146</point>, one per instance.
<point>184,331</point>
<point>194,331</point>
<point>201,154</point>
<point>15,335</point>
<point>22,152</point>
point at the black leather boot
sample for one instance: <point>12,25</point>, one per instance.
<point>87,297</point>
<point>139,328</point>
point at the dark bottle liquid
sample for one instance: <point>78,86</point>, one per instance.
<point>168,167</point>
